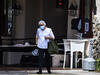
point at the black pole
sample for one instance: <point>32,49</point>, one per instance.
<point>90,22</point>
<point>83,15</point>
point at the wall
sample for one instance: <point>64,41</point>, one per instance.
<point>20,21</point>
<point>32,17</point>
<point>26,22</point>
<point>56,18</point>
<point>57,60</point>
<point>71,33</point>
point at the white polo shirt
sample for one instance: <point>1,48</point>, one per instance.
<point>42,42</point>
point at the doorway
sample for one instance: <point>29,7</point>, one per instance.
<point>56,17</point>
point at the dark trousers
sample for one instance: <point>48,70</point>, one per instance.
<point>43,54</point>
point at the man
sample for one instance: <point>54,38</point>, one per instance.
<point>43,36</point>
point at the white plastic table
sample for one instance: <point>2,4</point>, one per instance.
<point>76,45</point>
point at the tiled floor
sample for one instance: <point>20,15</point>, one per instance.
<point>28,68</point>
<point>55,71</point>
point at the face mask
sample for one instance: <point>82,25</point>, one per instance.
<point>42,27</point>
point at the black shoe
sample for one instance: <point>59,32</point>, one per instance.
<point>39,72</point>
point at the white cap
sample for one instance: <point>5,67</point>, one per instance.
<point>42,21</point>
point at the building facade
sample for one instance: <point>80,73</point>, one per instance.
<point>19,21</point>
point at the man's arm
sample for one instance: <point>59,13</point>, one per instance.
<point>51,36</point>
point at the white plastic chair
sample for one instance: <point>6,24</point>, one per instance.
<point>66,48</point>
<point>73,46</point>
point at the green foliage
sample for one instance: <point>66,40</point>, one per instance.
<point>98,64</point>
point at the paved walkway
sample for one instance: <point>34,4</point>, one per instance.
<point>54,72</point>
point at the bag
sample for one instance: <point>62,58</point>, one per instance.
<point>35,52</point>
<point>52,47</point>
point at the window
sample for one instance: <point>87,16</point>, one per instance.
<point>9,16</point>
